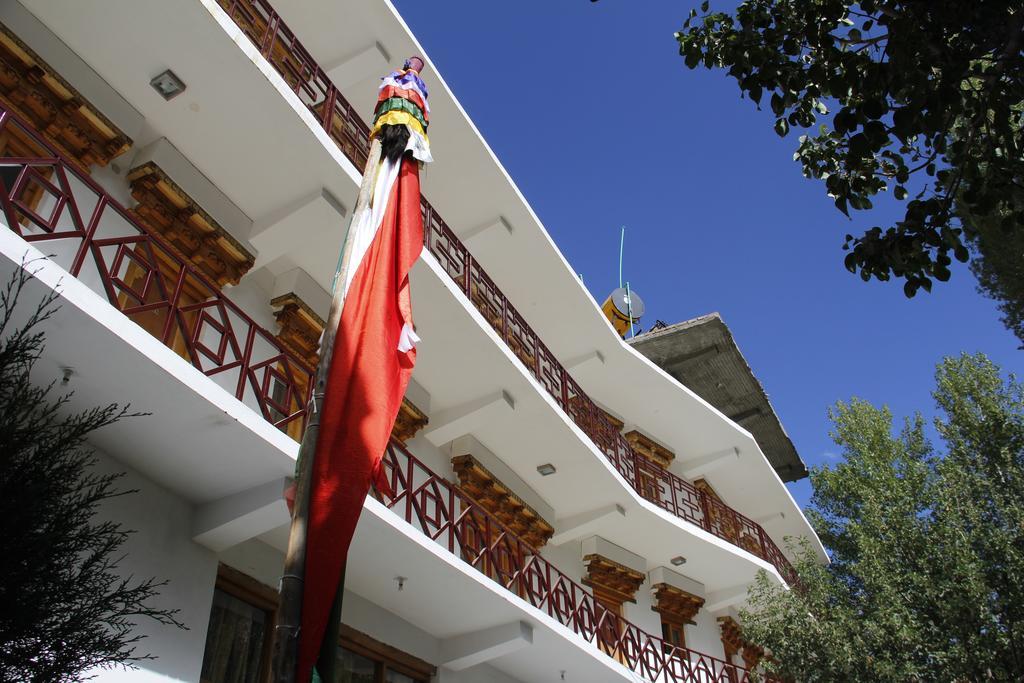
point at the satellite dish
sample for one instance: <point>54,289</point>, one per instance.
<point>622,308</point>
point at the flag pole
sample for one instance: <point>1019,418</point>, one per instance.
<point>289,611</point>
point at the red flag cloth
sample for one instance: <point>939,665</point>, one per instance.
<point>367,380</point>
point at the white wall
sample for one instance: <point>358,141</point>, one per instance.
<point>439,461</point>
<point>162,547</point>
<point>477,674</point>
<point>641,613</point>
<point>705,636</point>
<point>568,558</point>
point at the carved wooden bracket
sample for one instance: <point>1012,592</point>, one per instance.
<point>611,579</point>
<point>616,422</point>
<point>649,449</point>
<point>410,420</point>
<point>732,636</point>
<point>499,500</point>
<point>705,487</point>
<point>675,604</point>
<point>734,643</point>
<point>29,86</point>
<point>300,327</point>
<point>168,210</point>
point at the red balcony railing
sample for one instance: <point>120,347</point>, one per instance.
<point>50,202</point>
<point>283,50</point>
<point>450,517</point>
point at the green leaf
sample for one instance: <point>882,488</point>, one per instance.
<point>841,205</point>
<point>859,145</point>
<point>874,108</point>
<point>915,87</point>
<point>850,262</point>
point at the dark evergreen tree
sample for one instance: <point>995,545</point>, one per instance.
<point>63,607</point>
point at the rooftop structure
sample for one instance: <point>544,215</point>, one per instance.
<point>702,354</point>
<point>544,522</point>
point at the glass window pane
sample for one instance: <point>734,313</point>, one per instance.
<point>395,677</point>
<point>353,668</point>
<point>234,641</point>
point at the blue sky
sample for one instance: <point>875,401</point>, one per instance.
<point>601,125</point>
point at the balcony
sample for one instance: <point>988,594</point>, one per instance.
<point>51,202</point>
<point>280,47</point>
<point>451,518</point>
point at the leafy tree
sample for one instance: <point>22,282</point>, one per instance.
<point>927,574</point>
<point>926,99</point>
<point>63,608</point>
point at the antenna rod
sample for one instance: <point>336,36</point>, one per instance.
<point>629,310</point>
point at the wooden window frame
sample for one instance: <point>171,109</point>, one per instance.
<point>667,624</point>
<point>250,591</point>
<point>240,585</point>
<point>386,656</point>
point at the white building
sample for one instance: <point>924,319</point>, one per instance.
<point>192,241</point>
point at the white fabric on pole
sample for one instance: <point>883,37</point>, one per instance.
<point>366,225</point>
<point>408,339</point>
<point>419,147</point>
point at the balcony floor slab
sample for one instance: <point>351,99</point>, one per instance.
<point>447,598</point>
<point>462,359</point>
<point>198,440</point>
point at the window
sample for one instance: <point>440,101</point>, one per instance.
<point>238,637</point>
<point>672,633</point>
<point>353,668</point>
<point>362,659</point>
<point>677,608</point>
<point>238,641</point>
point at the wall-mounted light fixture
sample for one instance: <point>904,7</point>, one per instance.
<point>678,560</point>
<point>168,84</point>
<point>546,469</point>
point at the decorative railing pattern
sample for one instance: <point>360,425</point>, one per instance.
<point>449,516</point>
<point>50,202</point>
<point>282,49</point>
